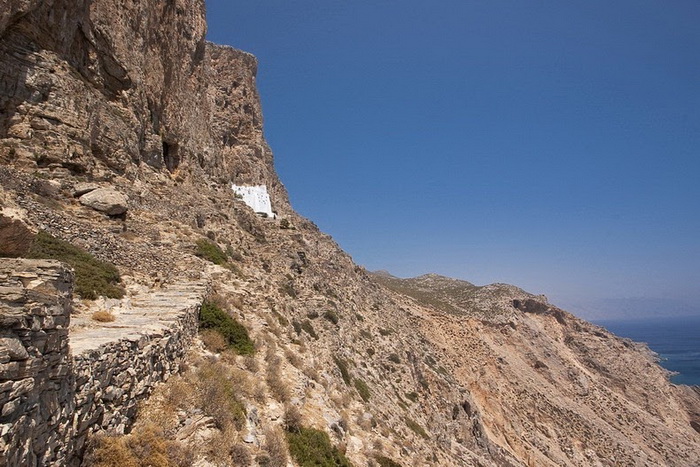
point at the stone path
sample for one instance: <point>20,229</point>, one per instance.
<point>144,312</point>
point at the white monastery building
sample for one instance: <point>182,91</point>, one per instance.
<point>256,197</point>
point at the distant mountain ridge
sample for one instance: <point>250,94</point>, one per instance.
<point>457,297</point>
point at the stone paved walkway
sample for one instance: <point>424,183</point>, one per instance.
<point>143,312</point>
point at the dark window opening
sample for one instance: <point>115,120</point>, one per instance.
<point>170,156</point>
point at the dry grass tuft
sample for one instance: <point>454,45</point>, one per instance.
<point>218,396</point>
<point>240,455</point>
<point>292,419</point>
<point>293,358</point>
<point>144,447</point>
<point>103,316</point>
<point>251,364</point>
<point>278,387</point>
<point>213,340</point>
<point>276,448</point>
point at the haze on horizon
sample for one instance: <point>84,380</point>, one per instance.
<point>551,145</point>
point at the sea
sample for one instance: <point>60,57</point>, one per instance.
<point>675,339</point>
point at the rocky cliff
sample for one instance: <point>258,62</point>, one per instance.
<point>104,87</point>
<point>129,97</point>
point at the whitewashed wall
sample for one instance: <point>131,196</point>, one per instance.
<point>256,197</point>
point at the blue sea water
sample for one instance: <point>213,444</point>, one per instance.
<point>675,339</point>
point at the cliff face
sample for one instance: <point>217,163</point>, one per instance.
<point>128,95</point>
<point>553,388</point>
<point>103,87</point>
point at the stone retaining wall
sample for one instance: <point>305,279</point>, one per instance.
<point>51,400</point>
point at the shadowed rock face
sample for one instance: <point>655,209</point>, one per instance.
<point>15,237</point>
<point>101,87</point>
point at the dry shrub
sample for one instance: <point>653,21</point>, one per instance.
<point>342,399</point>
<point>149,446</point>
<point>144,447</point>
<point>243,382</point>
<point>260,395</point>
<point>220,446</point>
<point>236,301</point>
<point>278,387</point>
<point>273,326</point>
<point>229,358</point>
<point>213,340</point>
<point>109,451</point>
<point>161,409</point>
<point>311,372</point>
<point>240,456</point>
<point>103,316</point>
<point>180,454</point>
<point>276,448</point>
<point>179,393</point>
<point>251,364</point>
<point>220,301</point>
<point>293,358</point>
<point>271,354</point>
<point>218,396</point>
<point>292,419</point>
<point>365,423</point>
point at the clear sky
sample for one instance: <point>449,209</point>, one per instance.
<point>554,145</point>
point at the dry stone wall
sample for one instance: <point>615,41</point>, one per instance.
<point>51,400</point>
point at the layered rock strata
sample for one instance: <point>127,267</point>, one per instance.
<point>102,87</point>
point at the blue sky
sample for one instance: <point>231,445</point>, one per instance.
<point>552,145</point>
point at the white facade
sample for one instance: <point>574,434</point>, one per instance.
<point>256,197</point>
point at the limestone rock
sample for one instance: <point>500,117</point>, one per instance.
<point>14,347</point>
<point>15,236</point>
<point>107,200</point>
<point>79,189</point>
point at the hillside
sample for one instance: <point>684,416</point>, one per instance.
<point>129,98</point>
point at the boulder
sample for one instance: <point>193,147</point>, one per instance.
<point>107,200</point>
<point>15,236</point>
<point>79,189</point>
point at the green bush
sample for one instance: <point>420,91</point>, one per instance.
<point>362,389</point>
<point>394,358</point>
<point>384,461</point>
<point>211,252</point>
<point>343,367</point>
<point>213,317</point>
<point>93,278</point>
<point>313,448</point>
<point>309,328</point>
<point>288,288</point>
<point>385,332</point>
<point>281,319</point>
<point>331,316</point>
<point>416,428</point>
<point>412,396</point>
